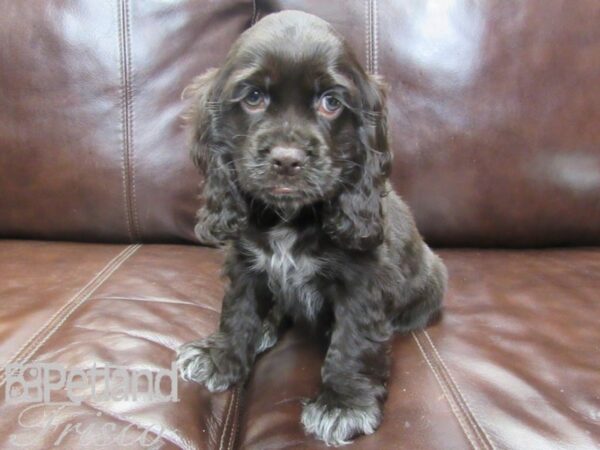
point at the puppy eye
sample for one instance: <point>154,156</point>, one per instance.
<point>255,101</point>
<point>329,106</point>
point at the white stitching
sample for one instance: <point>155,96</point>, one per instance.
<point>131,111</point>
<point>371,36</point>
<point>227,415</point>
<point>124,162</point>
<point>127,119</point>
<point>367,35</point>
<point>375,38</point>
<point>451,401</point>
<point>478,428</point>
<point>234,424</point>
<point>27,350</point>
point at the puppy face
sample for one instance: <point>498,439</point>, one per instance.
<point>294,131</point>
<point>291,119</point>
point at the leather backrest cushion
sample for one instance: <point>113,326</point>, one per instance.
<point>493,111</point>
<point>92,146</point>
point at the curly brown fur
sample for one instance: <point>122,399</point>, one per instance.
<point>290,134</point>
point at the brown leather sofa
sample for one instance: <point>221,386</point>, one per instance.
<point>495,119</point>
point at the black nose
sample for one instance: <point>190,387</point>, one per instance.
<point>287,160</point>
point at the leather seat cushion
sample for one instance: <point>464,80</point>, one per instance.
<point>514,358</point>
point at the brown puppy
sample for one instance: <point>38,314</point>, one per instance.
<point>291,136</point>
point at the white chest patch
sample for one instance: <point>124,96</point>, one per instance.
<point>290,276</point>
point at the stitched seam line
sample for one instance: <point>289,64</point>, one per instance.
<point>124,160</point>
<point>371,39</point>
<point>58,318</point>
<point>234,425</point>
<point>131,78</point>
<point>368,33</point>
<point>375,39</point>
<point>229,406</point>
<point>370,15</point>
<point>451,382</point>
<point>127,120</point>
<point>225,425</point>
<point>451,401</point>
<point>131,110</point>
<point>457,397</point>
<point>456,392</point>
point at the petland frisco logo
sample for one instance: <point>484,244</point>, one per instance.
<point>49,389</point>
<point>43,382</point>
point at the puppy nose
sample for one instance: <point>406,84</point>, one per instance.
<point>287,160</point>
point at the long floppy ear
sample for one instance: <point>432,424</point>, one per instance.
<point>354,218</point>
<point>223,212</point>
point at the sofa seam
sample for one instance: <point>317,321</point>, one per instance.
<point>479,429</point>
<point>368,34</point>
<point>127,149</point>
<point>131,78</point>
<point>371,36</point>
<point>234,426</point>
<point>454,407</point>
<point>229,406</point>
<point>224,430</point>
<point>122,107</point>
<point>375,37</point>
<point>52,325</point>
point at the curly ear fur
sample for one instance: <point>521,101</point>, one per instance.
<point>223,212</point>
<point>354,218</point>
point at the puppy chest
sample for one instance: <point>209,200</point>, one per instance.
<point>290,273</point>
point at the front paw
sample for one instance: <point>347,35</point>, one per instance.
<point>337,424</point>
<point>205,362</point>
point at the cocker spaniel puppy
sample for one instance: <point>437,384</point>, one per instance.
<point>290,134</point>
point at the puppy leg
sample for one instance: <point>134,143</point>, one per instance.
<point>426,301</point>
<point>355,371</point>
<point>227,356</point>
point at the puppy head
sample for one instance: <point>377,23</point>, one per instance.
<point>291,119</point>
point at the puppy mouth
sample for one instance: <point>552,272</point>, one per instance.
<point>282,194</point>
<point>282,191</point>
